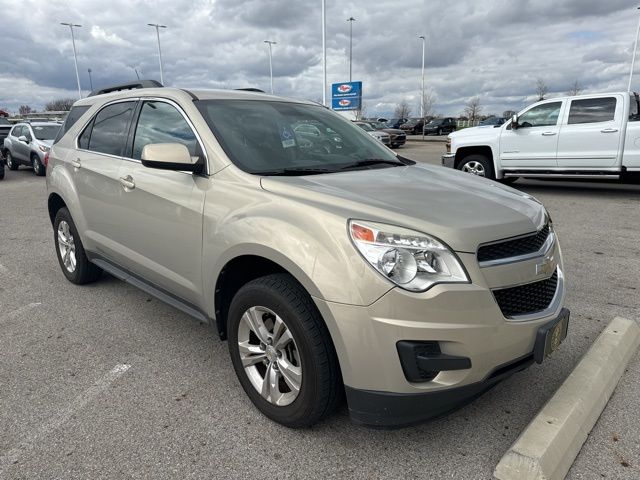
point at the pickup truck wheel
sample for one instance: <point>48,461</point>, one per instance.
<point>11,163</point>
<point>282,351</point>
<point>38,168</point>
<point>71,255</point>
<point>477,165</point>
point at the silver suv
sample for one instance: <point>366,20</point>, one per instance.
<point>28,143</point>
<point>411,288</point>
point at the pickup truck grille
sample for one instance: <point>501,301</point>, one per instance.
<point>525,299</point>
<point>513,248</point>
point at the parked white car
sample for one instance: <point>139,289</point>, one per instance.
<point>584,136</point>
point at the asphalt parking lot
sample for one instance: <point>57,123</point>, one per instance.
<point>103,381</point>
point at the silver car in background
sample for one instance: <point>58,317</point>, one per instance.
<point>381,136</point>
<point>28,143</point>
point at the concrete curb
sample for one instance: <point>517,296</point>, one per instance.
<point>550,443</point>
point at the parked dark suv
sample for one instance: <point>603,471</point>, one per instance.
<point>440,126</point>
<point>413,126</point>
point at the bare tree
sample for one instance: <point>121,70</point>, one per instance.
<point>403,110</point>
<point>361,112</point>
<point>24,109</point>
<point>508,114</point>
<point>541,88</point>
<point>575,89</point>
<point>428,103</point>
<point>473,108</point>
<point>60,105</point>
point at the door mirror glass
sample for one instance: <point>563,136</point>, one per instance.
<point>169,156</point>
<point>514,121</point>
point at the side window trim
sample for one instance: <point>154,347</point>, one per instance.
<point>134,126</point>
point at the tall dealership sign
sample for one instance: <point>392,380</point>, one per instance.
<point>346,96</point>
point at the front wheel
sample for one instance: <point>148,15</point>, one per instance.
<point>282,352</point>
<point>38,167</point>
<point>11,162</point>
<point>477,165</point>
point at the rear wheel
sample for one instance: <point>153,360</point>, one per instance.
<point>282,352</point>
<point>71,255</point>
<point>38,167</point>
<point>477,165</point>
<point>11,162</point>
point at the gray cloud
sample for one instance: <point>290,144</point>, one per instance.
<point>494,49</point>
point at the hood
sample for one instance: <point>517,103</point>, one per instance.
<point>393,131</point>
<point>47,143</point>
<point>461,209</point>
<point>484,132</point>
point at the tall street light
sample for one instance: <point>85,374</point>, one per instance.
<point>75,55</point>
<point>424,41</point>
<point>158,27</point>
<point>350,20</point>
<point>324,53</point>
<point>90,81</point>
<point>633,60</point>
<point>269,42</point>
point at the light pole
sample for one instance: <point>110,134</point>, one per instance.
<point>350,20</point>
<point>90,81</point>
<point>75,55</point>
<point>424,41</point>
<point>158,27</point>
<point>269,42</point>
<point>324,53</point>
<point>633,60</point>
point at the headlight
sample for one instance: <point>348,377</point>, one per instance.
<point>44,148</point>
<point>412,260</point>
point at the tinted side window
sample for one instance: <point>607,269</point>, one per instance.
<point>544,115</point>
<point>110,126</point>
<point>72,118</point>
<point>592,110</point>
<point>160,122</point>
<point>634,109</point>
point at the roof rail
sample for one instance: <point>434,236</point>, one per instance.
<point>128,86</point>
<point>250,89</point>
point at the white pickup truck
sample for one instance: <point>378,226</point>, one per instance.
<point>584,136</point>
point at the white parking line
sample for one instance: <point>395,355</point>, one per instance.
<point>12,456</point>
<point>18,311</point>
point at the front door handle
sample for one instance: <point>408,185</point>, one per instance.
<point>76,163</point>
<point>127,182</point>
<point>548,134</point>
<point>609,130</point>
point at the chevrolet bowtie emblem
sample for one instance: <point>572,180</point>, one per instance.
<point>546,266</point>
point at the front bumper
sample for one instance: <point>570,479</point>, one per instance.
<point>463,319</point>
<point>449,160</point>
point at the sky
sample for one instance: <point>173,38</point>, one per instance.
<point>493,49</point>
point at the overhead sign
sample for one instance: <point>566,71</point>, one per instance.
<point>346,96</point>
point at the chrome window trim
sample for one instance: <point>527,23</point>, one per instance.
<point>544,249</point>
<point>143,99</point>
<point>554,306</point>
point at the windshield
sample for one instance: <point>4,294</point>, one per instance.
<point>365,126</point>
<point>280,138</point>
<point>46,132</point>
<point>437,121</point>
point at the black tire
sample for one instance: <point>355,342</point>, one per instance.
<point>36,164</point>
<point>321,383</point>
<point>471,160</point>
<point>1,170</point>
<point>11,162</point>
<point>85,271</point>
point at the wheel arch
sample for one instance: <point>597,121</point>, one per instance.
<point>54,203</point>
<point>464,152</point>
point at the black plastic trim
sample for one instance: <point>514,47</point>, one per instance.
<point>127,86</point>
<point>422,361</point>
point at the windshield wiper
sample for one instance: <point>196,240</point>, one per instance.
<point>373,161</point>
<point>295,171</point>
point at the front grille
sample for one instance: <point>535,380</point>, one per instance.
<point>530,298</point>
<point>513,248</point>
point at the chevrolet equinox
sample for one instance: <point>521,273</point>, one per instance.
<point>332,270</point>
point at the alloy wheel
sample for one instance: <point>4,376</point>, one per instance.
<point>269,355</point>
<point>475,168</point>
<point>67,247</point>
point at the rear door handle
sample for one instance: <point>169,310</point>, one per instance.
<point>548,134</point>
<point>127,182</point>
<point>76,163</point>
<point>609,130</point>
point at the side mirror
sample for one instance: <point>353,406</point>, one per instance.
<point>170,156</point>
<point>514,121</point>
<point>23,139</point>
